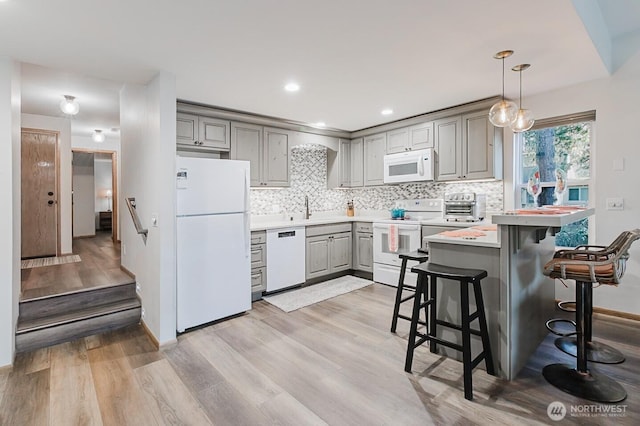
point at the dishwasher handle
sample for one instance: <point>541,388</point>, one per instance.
<point>286,234</point>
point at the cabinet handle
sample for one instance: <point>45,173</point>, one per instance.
<point>195,142</point>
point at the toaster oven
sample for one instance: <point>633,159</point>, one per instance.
<point>465,207</point>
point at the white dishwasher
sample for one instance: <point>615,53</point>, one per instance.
<point>285,257</point>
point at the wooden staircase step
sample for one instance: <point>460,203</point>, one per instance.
<point>47,331</point>
<point>61,304</point>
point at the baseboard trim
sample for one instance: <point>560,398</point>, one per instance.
<point>79,237</point>
<point>613,313</point>
<point>128,272</point>
<point>150,335</point>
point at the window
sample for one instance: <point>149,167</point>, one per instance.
<point>554,166</point>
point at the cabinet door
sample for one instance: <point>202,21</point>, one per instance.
<point>421,136</point>
<point>357,162</point>
<point>258,280</point>
<point>364,252</point>
<point>214,133</point>
<point>186,129</point>
<point>345,163</point>
<point>375,147</point>
<point>448,141</point>
<point>276,157</point>
<point>477,143</point>
<point>340,252</point>
<point>398,140</point>
<point>246,144</point>
<point>317,256</point>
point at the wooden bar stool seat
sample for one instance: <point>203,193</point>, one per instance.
<point>428,274</point>
<point>586,266</point>
<point>418,256</point>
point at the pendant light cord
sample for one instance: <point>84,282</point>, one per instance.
<point>520,89</point>
<point>503,79</point>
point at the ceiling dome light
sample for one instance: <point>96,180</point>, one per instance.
<point>69,105</point>
<point>524,117</point>
<point>320,124</point>
<point>503,113</point>
<point>386,111</point>
<point>292,87</point>
<point>98,136</point>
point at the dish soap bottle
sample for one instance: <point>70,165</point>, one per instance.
<point>350,211</point>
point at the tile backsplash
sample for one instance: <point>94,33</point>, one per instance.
<point>309,177</point>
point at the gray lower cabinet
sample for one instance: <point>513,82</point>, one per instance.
<point>328,249</point>
<point>202,133</point>
<point>363,247</point>
<point>375,148</point>
<point>258,263</point>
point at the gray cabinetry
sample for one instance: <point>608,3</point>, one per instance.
<point>375,147</point>
<point>202,133</point>
<point>267,150</point>
<point>258,263</point>
<point>363,247</point>
<point>328,249</point>
<point>339,165</point>
<point>398,140</point>
<point>468,147</point>
<point>419,136</point>
<point>357,162</point>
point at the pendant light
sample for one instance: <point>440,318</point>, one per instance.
<point>98,136</point>
<point>503,113</point>
<point>69,105</point>
<point>524,118</point>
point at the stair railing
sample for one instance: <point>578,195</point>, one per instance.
<point>131,204</point>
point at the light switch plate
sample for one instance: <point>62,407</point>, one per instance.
<point>154,220</point>
<point>615,203</point>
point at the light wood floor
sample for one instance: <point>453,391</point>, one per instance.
<point>100,266</point>
<point>334,362</point>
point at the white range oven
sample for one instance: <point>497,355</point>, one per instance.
<point>386,263</point>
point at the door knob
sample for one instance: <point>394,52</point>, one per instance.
<point>50,202</point>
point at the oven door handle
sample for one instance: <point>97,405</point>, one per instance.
<point>400,227</point>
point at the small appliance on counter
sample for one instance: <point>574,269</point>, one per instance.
<point>350,210</point>
<point>465,207</point>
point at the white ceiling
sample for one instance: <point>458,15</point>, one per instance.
<point>352,58</point>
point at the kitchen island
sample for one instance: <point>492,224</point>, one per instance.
<point>518,298</point>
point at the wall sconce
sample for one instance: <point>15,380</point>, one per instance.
<point>524,118</point>
<point>108,195</point>
<point>98,136</point>
<point>69,105</point>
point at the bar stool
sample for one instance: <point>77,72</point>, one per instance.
<point>415,255</point>
<point>605,266</point>
<point>428,274</point>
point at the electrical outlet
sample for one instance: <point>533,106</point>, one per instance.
<point>124,248</point>
<point>615,203</point>
<point>154,220</point>
<point>142,313</point>
<point>138,288</point>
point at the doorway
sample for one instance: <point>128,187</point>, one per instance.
<point>40,189</point>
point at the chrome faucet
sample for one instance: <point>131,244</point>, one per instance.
<point>307,215</point>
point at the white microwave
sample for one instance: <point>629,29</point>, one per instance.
<point>409,166</point>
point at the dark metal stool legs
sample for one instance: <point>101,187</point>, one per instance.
<point>428,277</point>
<point>420,257</point>
<point>580,381</point>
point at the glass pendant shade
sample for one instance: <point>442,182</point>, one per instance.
<point>69,105</point>
<point>524,121</point>
<point>503,113</point>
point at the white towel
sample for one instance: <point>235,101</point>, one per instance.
<point>393,238</point>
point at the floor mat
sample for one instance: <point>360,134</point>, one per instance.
<point>49,261</point>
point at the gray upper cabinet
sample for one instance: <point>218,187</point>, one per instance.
<point>448,140</point>
<point>276,157</point>
<point>246,144</point>
<point>357,162</point>
<point>468,147</point>
<point>398,140</point>
<point>375,147</point>
<point>421,136</point>
<point>345,163</point>
<point>203,133</point>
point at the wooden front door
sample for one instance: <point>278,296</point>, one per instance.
<point>39,193</point>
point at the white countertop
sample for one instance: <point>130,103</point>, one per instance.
<point>555,220</point>
<point>491,239</point>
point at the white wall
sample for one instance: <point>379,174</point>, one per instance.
<point>615,100</point>
<point>83,195</point>
<point>147,122</point>
<point>10,215</point>
<point>63,126</point>
<point>102,171</point>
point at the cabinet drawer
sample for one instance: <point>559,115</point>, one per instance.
<point>364,227</point>
<point>328,229</point>
<point>258,255</point>
<point>258,279</point>
<point>258,237</point>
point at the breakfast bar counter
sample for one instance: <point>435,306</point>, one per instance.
<point>518,298</point>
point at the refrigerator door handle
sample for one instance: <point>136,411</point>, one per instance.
<point>247,219</point>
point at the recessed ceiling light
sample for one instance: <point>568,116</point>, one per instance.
<point>386,111</point>
<point>69,105</point>
<point>98,136</point>
<point>292,87</point>
<point>320,124</point>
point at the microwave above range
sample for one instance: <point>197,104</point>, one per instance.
<point>410,166</point>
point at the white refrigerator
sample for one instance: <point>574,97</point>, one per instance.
<point>213,240</point>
